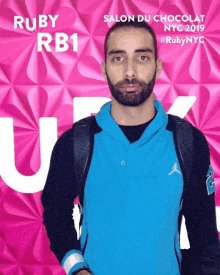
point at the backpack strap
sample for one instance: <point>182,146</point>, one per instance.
<point>83,143</point>
<point>183,140</point>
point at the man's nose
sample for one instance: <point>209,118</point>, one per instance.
<point>130,70</point>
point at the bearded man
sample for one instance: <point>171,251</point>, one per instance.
<point>137,185</point>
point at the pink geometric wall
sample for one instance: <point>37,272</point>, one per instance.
<point>43,84</point>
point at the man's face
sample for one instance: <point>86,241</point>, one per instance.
<point>130,67</point>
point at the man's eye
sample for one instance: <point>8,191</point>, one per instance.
<point>144,57</point>
<point>117,58</point>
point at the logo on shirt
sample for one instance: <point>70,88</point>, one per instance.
<point>210,181</point>
<point>174,169</point>
<point>76,217</point>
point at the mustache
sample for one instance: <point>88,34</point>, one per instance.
<point>129,81</point>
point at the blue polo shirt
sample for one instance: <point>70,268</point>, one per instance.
<point>132,200</point>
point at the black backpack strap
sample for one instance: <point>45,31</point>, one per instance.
<point>183,140</point>
<point>83,140</point>
<point>83,143</point>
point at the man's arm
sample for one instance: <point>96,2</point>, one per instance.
<point>83,272</point>
<point>203,257</point>
<point>57,199</point>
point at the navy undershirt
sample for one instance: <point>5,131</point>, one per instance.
<point>133,133</point>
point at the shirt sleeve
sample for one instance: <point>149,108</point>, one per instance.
<point>203,257</point>
<point>74,262</point>
<point>58,201</point>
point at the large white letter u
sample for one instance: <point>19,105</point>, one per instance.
<point>8,171</point>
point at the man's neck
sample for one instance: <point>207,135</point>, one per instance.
<point>126,115</point>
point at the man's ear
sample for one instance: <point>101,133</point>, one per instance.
<point>104,71</point>
<point>159,68</point>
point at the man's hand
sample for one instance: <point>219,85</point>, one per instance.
<point>83,272</point>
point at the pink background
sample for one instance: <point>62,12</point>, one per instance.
<point>34,85</point>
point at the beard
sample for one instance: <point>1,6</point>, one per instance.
<point>130,98</point>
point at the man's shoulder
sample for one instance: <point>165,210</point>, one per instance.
<point>191,142</point>
<point>176,123</point>
<point>65,138</point>
<point>89,122</point>
<point>79,131</point>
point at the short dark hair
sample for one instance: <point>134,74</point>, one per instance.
<point>134,24</point>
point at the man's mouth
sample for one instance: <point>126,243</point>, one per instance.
<point>130,88</point>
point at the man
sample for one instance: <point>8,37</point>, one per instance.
<point>135,188</point>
